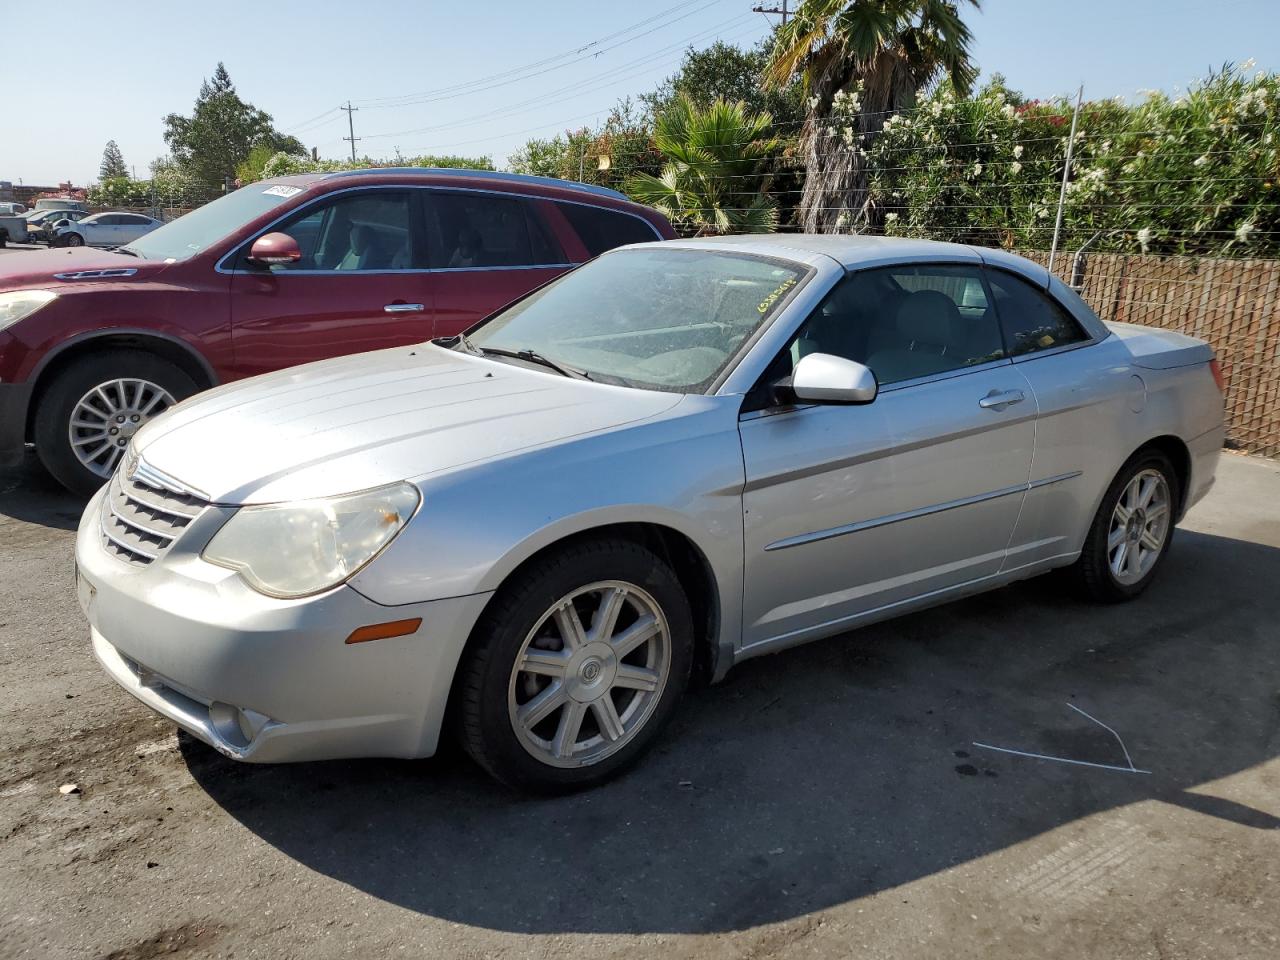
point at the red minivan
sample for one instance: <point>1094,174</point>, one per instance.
<point>281,272</point>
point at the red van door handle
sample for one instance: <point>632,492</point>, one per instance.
<point>403,308</point>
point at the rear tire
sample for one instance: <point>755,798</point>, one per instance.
<point>150,385</point>
<point>1132,531</point>
<point>74,240</point>
<point>575,667</point>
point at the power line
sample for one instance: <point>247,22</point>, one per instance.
<point>519,74</point>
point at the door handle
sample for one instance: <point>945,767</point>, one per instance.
<point>403,308</point>
<point>999,399</point>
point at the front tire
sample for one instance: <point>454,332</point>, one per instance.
<point>84,420</point>
<point>1132,530</point>
<point>74,240</point>
<point>575,667</point>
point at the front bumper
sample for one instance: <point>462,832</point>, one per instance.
<point>14,400</point>
<point>269,680</point>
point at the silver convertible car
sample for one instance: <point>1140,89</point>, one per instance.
<point>676,457</point>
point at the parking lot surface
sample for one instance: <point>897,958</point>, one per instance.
<point>825,802</point>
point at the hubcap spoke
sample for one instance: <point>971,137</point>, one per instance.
<point>1147,491</point>
<point>635,678</point>
<point>1150,540</point>
<point>1118,560</point>
<point>545,663</point>
<point>542,706</point>
<point>607,718</point>
<point>1115,538</point>
<point>570,626</point>
<point>1133,559</point>
<point>611,603</point>
<point>629,639</point>
<point>567,732</point>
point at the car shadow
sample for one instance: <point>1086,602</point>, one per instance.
<point>826,773</point>
<point>30,494</point>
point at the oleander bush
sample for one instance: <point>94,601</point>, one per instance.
<point>1190,174</point>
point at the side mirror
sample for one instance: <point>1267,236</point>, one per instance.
<point>823,378</point>
<point>274,248</point>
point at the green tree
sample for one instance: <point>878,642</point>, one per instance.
<point>113,166</point>
<point>880,53</point>
<point>221,132</point>
<point>715,177</point>
<point>727,72</point>
<point>286,164</point>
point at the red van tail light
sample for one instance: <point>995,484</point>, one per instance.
<point>1216,369</point>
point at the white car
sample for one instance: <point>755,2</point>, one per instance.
<point>105,230</point>
<point>681,453</point>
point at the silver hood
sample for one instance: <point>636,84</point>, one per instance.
<point>364,421</point>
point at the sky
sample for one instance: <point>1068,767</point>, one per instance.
<point>402,64</point>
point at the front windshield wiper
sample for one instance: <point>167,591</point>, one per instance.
<point>126,250</point>
<point>529,356</point>
<point>532,356</point>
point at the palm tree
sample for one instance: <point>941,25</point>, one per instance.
<point>713,180</point>
<point>879,51</point>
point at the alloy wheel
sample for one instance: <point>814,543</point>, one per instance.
<point>1139,527</point>
<point>106,417</point>
<point>589,674</point>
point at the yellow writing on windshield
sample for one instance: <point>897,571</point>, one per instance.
<point>767,303</point>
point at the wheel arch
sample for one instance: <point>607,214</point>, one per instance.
<point>1175,448</point>
<point>178,352</point>
<point>689,562</point>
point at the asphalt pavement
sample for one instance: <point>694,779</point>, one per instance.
<point>828,801</point>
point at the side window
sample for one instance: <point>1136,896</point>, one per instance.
<point>602,230</point>
<point>474,229</point>
<point>905,322</point>
<point>546,249</point>
<point>353,232</point>
<point>106,220</point>
<point>1030,319</point>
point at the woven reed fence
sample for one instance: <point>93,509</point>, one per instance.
<point>1233,304</point>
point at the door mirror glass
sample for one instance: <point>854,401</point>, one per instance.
<point>275,248</point>
<point>823,378</point>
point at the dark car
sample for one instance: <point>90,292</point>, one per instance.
<point>281,272</point>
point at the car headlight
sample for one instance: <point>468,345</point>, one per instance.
<point>292,550</point>
<point>22,303</point>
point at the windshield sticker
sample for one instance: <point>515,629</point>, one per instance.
<point>280,190</point>
<point>767,303</point>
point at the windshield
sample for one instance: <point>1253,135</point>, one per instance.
<point>203,227</point>
<point>664,319</point>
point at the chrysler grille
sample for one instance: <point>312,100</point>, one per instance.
<point>140,521</point>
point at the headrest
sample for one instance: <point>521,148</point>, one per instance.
<point>928,316</point>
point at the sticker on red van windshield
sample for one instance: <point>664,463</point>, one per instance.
<point>280,190</point>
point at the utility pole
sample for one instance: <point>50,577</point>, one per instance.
<point>351,128</point>
<point>1066,175</point>
<point>782,10</point>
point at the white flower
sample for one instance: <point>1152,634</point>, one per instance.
<point>1015,167</point>
<point>888,124</point>
<point>977,170</point>
<point>1243,231</point>
<point>1008,110</point>
<point>1201,160</point>
<point>1249,64</point>
<point>1144,238</point>
<point>1017,152</point>
<point>890,217</point>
